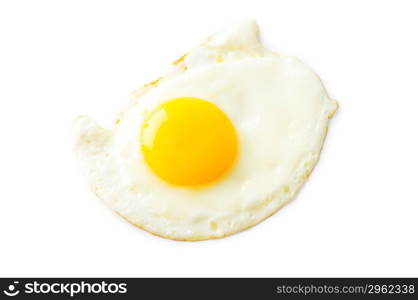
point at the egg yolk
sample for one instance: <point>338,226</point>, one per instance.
<point>188,142</point>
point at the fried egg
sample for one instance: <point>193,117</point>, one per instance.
<point>218,144</point>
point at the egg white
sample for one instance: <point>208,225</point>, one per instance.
<point>279,108</point>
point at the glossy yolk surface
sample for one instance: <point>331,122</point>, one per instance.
<point>188,142</point>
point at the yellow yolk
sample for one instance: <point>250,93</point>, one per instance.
<point>188,142</point>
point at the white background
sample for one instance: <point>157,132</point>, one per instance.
<point>356,216</point>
